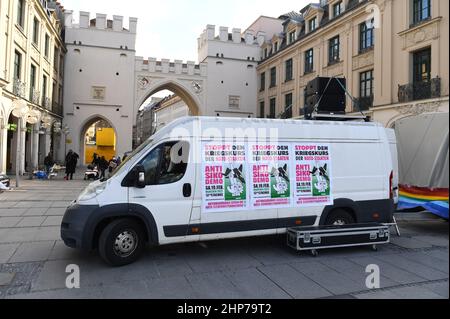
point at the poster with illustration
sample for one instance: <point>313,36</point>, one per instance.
<point>224,177</point>
<point>313,183</point>
<point>270,183</point>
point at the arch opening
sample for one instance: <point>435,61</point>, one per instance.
<point>99,137</point>
<point>163,104</point>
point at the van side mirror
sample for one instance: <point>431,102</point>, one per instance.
<point>138,174</point>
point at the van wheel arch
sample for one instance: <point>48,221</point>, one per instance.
<point>344,204</point>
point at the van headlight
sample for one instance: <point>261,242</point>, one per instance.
<point>92,191</point>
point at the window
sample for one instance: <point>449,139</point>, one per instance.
<point>366,35</point>
<point>61,65</point>
<point>337,9</point>
<point>60,95</point>
<point>47,46</point>
<point>289,70</point>
<point>275,47</point>
<point>273,106</point>
<point>421,10</point>
<point>309,61</point>
<point>44,89</point>
<point>273,77</point>
<point>422,66</point>
<point>312,24</point>
<point>292,37</point>
<point>262,84</point>
<point>32,82</point>
<point>288,105</point>
<point>55,58</point>
<point>35,31</point>
<point>333,55</point>
<point>166,164</point>
<point>366,84</point>
<point>262,111</point>
<point>17,65</point>
<point>266,53</point>
<point>20,13</point>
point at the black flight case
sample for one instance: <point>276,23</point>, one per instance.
<point>324,237</point>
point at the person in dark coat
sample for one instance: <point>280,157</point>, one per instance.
<point>71,164</point>
<point>48,162</point>
<point>103,166</point>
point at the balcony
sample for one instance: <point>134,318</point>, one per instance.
<point>35,96</point>
<point>419,90</point>
<point>19,88</point>
<point>46,103</point>
<point>363,103</point>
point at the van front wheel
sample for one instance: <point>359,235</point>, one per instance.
<point>340,217</point>
<point>121,242</point>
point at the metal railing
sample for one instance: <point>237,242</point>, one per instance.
<point>419,90</point>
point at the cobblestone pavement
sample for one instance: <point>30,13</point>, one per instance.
<point>33,261</point>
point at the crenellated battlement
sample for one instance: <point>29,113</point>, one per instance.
<point>249,37</point>
<point>167,66</point>
<point>99,22</point>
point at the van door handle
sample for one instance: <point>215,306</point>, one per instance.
<point>187,190</point>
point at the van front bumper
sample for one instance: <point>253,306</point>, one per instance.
<point>74,225</point>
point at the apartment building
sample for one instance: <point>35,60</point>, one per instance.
<point>392,53</point>
<point>31,78</point>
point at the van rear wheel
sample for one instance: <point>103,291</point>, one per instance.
<point>121,242</point>
<point>340,217</point>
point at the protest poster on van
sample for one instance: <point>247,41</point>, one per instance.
<point>224,177</point>
<point>270,183</point>
<point>313,184</point>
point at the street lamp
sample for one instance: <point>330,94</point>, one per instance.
<point>20,110</point>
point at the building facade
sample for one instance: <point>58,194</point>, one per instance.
<point>31,74</point>
<point>99,79</point>
<point>393,55</point>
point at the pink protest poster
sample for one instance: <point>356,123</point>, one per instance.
<point>270,181</point>
<point>313,179</point>
<point>224,177</point>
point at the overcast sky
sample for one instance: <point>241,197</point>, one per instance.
<point>170,28</point>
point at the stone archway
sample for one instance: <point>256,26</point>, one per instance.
<point>84,152</point>
<point>192,101</point>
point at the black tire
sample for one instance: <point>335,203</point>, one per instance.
<point>340,217</point>
<point>109,248</point>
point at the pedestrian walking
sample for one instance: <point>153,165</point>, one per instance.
<point>103,166</point>
<point>71,164</point>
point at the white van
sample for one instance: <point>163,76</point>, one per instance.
<point>202,178</point>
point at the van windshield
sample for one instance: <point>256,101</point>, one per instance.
<point>129,157</point>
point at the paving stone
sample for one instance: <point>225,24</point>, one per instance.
<point>168,267</point>
<point>36,251</point>
<point>388,270</point>
<point>434,240</point>
<point>48,233</point>
<point>170,288</point>
<point>31,221</point>
<point>414,267</point>
<point>52,221</point>
<point>126,290</point>
<point>61,252</point>
<point>409,243</point>
<point>213,286</point>
<point>252,284</point>
<point>55,212</point>
<point>295,283</point>
<point>17,235</point>
<point>440,288</point>
<point>52,276</point>
<point>36,211</point>
<point>356,272</point>
<point>12,212</point>
<point>6,278</point>
<point>6,222</point>
<point>413,292</point>
<point>6,251</point>
<point>439,254</point>
<point>427,260</point>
